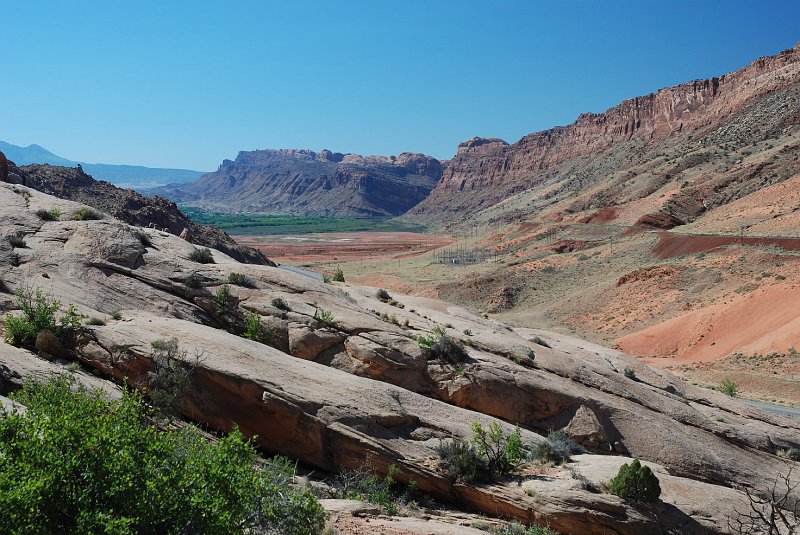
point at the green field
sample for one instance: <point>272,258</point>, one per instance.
<point>259,224</point>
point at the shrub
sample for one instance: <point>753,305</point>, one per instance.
<point>729,387</point>
<point>338,275</point>
<point>448,349</point>
<point>502,454</point>
<point>95,321</point>
<point>38,315</point>
<point>240,279</point>
<point>280,303</point>
<point>540,341</point>
<point>515,528</point>
<point>75,462</point>
<point>202,256</point>
<point>85,214</point>
<point>324,316</point>
<point>630,373</point>
<point>253,330</point>
<point>193,281</point>
<point>383,295</point>
<point>48,215</point>
<point>116,314</point>
<point>16,240</point>
<point>365,485</point>
<point>170,377</point>
<point>635,482</point>
<point>221,299</point>
<point>558,448</point>
<point>462,462</point>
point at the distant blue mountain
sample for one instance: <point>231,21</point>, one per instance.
<point>126,176</point>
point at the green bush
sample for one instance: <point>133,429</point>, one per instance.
<point>635,482</point>
<point>729,387</point>
<point>441,346</point>
<point>75,462</point>
<point>338,275</point>
<point>253,330</point>
<point>489,455</point>
<point>630,373</point>
<point>48,215</point>
<point>85,214</point>
<point>221,299</point>
<point>240,279</point>
<point>39,314</point>
<point>202,256</point>
<point>383,295</point>
<point>324,316</point>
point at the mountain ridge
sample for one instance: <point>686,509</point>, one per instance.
<point>304,182</point>
<point>123,175</point>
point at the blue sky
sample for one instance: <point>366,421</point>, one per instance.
<point>188,83</point>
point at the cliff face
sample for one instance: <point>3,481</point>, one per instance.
<point>492,169</point>
<point>127,205</point>
<point>304,182</point>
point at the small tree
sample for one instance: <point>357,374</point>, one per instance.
<point>635,482</point>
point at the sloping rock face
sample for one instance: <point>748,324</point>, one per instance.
<point>129,206</point>
<point>357,388</point>
<point>303,182</point>
<point>585,153</point>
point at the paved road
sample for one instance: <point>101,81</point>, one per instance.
<point>791,412</point>
<point>301,271</point>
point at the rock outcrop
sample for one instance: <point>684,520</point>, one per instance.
<point>129,206</point>
<point>356,387</point>
<point>303,182</point>
<point>585,153</point>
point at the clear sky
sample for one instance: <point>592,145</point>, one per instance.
<point>188,83</point>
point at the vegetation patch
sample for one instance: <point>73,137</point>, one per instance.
<point>635,482</point>
<point>489,455</point>
<point>202,256</point>
<point>365,485</point>
<point>48,215</point>
<point>75,462</point>
<point>259,224</point>
<point>240,279</point>
<point>40,315</point>
<point>85,214</point>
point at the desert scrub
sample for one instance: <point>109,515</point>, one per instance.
<point>630,373</point>
<point>635,482</point>
<point>17,241</point>
<point>221,299</point>
<point>48,215</point>
<point>365,485</point>
<point>489,455</point>
<point>338,275</point>
<point>253,330</point>
<point>76,462</point>
<point>383,295</point>
<point>324,316</point>
<point>557,449</point>
<point>170,377</point>
<point>240,279</point>
<point>442,347</point>
<point>202,256</point>
<point>85,214</point>
<point>729,387</point>
<point>39,314</point>
<point>515,528</point>
<point>280,303</point>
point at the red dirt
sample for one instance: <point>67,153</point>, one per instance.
<point>672,245</point>
<point>603,216</point>
<point>759,322</point>
<point>344,246</point>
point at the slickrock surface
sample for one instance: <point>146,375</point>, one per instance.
<point>359,388</point>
